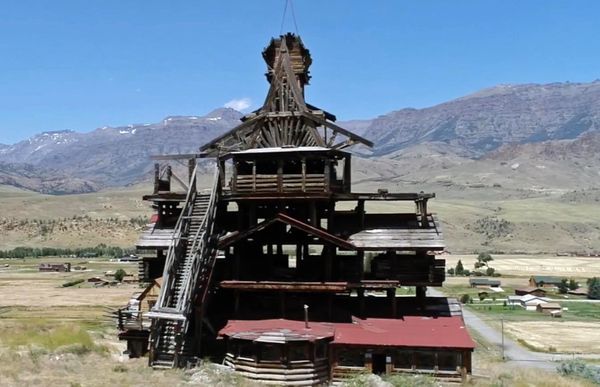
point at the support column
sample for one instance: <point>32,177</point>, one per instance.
<point>391,295</point>
<point>282,304</point>
<point>361,301</point>
<point>421,295</point>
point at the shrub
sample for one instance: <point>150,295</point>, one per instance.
<point>459,270</point>
<point>120,274</point>
<point>579,369</point>
<point>72,283</point>
<point>465,298</point>
<point>594,288</point>
<point>490,271</point>
<point>451,271</point>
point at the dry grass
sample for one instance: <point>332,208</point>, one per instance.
<point>540,264</point>
<point>564,336</point>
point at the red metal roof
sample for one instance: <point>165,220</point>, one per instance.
<point>410,331</point>
<point>277,330</point>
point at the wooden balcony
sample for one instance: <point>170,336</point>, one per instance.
<point>285,183</point>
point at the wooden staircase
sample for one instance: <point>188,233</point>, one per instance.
<point>187,273</point>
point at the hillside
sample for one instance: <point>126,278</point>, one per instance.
<point>521,137</point>
<point>481,122</point>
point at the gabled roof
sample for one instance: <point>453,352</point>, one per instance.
<point>547,279</point>
<point>231,238</point>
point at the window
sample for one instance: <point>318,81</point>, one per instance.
<point>351,357</point>
<point>270,352</point>
<point>403,359</point>
<point>321,350</point>
<point>298,352</point>
<point>246,350</point>
<point>425,360</point>
<point>447,361</point>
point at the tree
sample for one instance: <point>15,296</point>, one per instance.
<point>120,274</point>
<point>451,271</point>
<point>483,259</point>
<point>490,271</point>
<point>563,286</point>
<point>459,268</point>
<point>594,288</point>
<point>465,298</point>
<point>573,285</point>
<point>482,296</point>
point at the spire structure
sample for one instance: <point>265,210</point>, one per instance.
<point>285,119</point>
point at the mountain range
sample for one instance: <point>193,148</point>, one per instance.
<point>548,134</point>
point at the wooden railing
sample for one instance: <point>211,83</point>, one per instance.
<point>261,183</point>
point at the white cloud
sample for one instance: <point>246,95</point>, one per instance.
<point>240,104</point>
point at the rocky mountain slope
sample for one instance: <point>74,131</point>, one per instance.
<point>481,122</point>
<point>535,136</point>
<point>118,156</point>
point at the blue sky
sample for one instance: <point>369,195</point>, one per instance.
<point>81,64</point>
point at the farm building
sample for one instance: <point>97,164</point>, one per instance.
<point>281,241</point>
<point>56,267</point>
<point>530,290</point>
<point>484,283</point>
<point>544,281</point>
<point>530,302</point>
<point>583,291</point>
<point>550,308</point>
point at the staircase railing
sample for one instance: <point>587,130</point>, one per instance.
<point>172,261</point>
<point>201,249</point>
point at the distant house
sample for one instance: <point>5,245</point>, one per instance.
<point>129,278</point>
<point>530,302</point>
<point>129,258</point>
<point>530,290</point>
<point>513,300</point>
<point>484,283</point>
<point>579,292</point>
<point>57,267</point>
<point>544,281</point>
<point>548,308</point>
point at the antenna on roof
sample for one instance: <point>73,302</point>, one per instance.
<point>291,3</point>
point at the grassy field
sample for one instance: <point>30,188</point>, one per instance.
<point>543,223</point>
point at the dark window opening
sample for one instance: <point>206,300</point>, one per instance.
<point>351,358</point>
<point>270,352</point>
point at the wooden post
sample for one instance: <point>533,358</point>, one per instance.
<point>156,177</point>
<point>312,206</point>
<point>236,303</point>
<point>361,301</point>
<point>280,176</point>
<point>360,257</point>
<point>234,177</point>
<point>304,175</point>
<point>347,174</point>
<point>191,166</point>
<point>360,209</point>
<point>282,304</point>
<point>327,175</point>
<point>254,176</point>
<point>391,294</point>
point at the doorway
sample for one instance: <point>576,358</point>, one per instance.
<point>378,363</point>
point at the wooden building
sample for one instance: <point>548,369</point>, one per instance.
<point>544,281</point>
<point>549,308</point>
<point>56,267</point>
<point>282,233</point>
<point>539,292</point>
<point>484,283</point>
